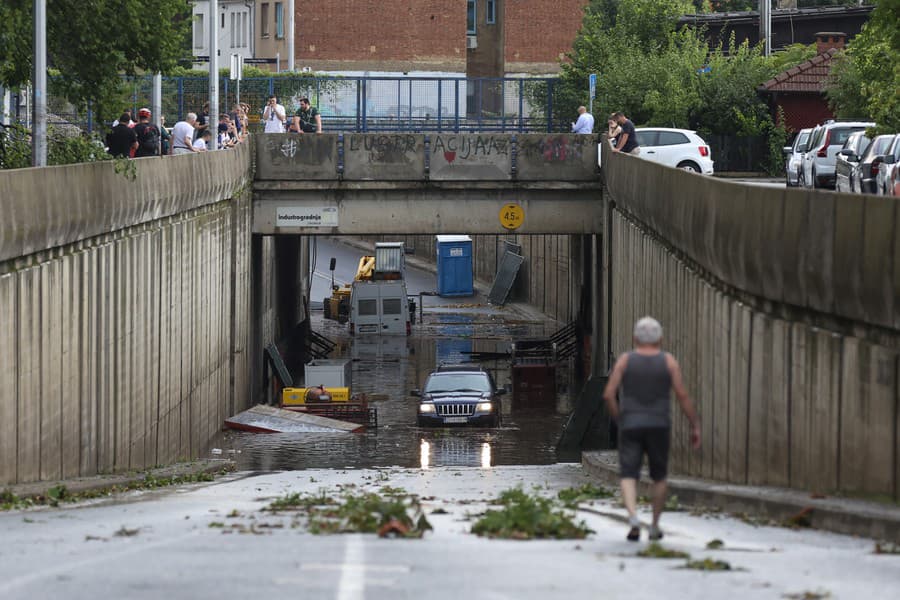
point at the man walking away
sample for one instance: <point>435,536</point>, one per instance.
<point>627,141</point>
<point>148,135</point>
<point>307,119</point>
<point>183,135</point>
<point>585,122</point>
<point>645,377</point>
<point>121,141</point>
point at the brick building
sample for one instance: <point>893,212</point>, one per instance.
<point>800,91</point>
<point>481,38</point>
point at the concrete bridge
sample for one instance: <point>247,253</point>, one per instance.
<point>133,310</point>
<point>409,184</point>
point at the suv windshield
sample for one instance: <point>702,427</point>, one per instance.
<point>455,382</point>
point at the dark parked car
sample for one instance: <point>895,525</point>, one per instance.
<point>847,160</point>
<point>459,395</point>
<point>862,180</point>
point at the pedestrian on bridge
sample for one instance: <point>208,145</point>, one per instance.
<point>644,379</point>
<point>307,119</point>
<point>627,139</point>
<point>585,122</point>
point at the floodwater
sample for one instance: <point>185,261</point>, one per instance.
<point>386,368</point>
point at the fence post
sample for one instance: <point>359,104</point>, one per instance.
<point>90,118</point>
<point>271,86</point>
<point>549,106</point>
<point>365,116</point>
<point>440,104</point>
<point>457,105</point>
<point>181,98</point>
<point>521,105</point>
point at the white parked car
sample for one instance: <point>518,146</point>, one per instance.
<point>679,148</point>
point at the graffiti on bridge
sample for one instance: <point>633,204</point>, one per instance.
<point>469,147</point>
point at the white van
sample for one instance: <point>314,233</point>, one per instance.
<point>379,307</point>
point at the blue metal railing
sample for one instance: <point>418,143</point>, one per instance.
<point>358,104</point>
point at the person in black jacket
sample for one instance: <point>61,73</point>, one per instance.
<point>122,139</point>
<point>148,136</point>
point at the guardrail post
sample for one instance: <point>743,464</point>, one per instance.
<point>457,106</point>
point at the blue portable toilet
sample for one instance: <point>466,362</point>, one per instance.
<point>454,265</point>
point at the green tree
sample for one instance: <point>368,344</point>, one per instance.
<point>867,76</point>
<point>92,44</point>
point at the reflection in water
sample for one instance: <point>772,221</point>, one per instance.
<point>424,454</point>
<point>386,368</point>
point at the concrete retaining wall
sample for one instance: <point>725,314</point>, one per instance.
<point>784,401</point>
<point>124,317</point>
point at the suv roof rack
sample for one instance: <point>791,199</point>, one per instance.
<point>458,367</point>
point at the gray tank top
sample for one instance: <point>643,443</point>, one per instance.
<point>645,392</point>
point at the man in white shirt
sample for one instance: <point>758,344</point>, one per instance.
<point>585,122</point>
<point>183,135</point>
<point>200,144</point>
<point>274,116</point>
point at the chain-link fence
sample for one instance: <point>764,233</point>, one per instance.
<point>349,104</point>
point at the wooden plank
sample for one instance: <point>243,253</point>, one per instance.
<point>269,419</point>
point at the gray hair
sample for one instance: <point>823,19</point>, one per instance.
<point>647,331</point>
<point>191,117</point>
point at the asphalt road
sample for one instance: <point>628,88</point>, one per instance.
<point>213,541</point>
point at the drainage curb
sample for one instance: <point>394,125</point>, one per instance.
<point>840,515</point>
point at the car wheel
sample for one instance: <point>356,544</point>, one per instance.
<point>689,166</point>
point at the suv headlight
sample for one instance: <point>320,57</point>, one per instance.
<point>484,406</point>
<point>426,408</point>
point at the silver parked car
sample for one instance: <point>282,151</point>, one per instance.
<point>847,160</point>
<point>793,154</point>
<point>825,142</point>
<point>888,180</point>
<point>862,179</point>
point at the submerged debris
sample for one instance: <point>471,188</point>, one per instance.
<point>817,595</point>
<point>887,548</point>
<point>525,517</point>
<point>715,544</point>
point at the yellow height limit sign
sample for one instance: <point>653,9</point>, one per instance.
<point>512,216</point>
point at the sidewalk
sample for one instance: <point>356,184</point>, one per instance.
<point>840,515</point>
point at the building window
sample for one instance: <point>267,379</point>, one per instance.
<point>491,17</point>
<point>234,30</point>
<point>198,31</point>
<point>223,21</point>
<point>279,20</point>
<point>264,19</point>
<point>245,29</point>
<point>470,17</point>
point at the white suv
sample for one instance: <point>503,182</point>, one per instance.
<point>679,148</point>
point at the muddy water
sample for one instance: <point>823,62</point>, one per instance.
<point>386,368</point>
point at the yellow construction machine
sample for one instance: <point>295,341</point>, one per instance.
<point>337,306</point>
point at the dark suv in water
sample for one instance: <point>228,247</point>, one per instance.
<point>459,395</point>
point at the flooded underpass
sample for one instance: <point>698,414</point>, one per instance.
<point>387,368</point>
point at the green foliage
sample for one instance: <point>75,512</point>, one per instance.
<point>707,564</point>
<point>65,145</point>
<point>867,76</point>
<point>525,517</point>
<point>92,45</point>
<point>571,497</point>
<point>657,550</point>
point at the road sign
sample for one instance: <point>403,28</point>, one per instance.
<point>237,67</point>
<point>592,82</point>
<point>260,61</point>
<point>512,216</point>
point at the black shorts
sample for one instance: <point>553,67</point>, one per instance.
<point>634,443</point>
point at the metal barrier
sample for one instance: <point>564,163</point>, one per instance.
<point>351,104</point>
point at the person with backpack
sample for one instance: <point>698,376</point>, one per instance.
<point>121,141</point>
<point>147,135</point>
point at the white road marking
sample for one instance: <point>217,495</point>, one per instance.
<point>353,579</point>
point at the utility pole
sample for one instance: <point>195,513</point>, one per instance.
<point>291,33</point>
<point>212,119</point>
<point>765,26</point>
<point>39,85</point>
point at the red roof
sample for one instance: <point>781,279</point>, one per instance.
<point>808,77</point>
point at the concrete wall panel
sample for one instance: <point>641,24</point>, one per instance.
<point>792,263</point>
<point>287,156</point>
<point>738,393</point>
<point>721,356</point>
<point>89,348</point>
<point>877,292</point>
<point>9,311</point>
<point>868,415</point>
<point>51,370</point>
<point>556,157</point>
<point>849,223</point>
<point>28,360</point>
<point>470,157</point>
<point>769,418</point>
<point>70,398</point>
<point>384,157</point>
